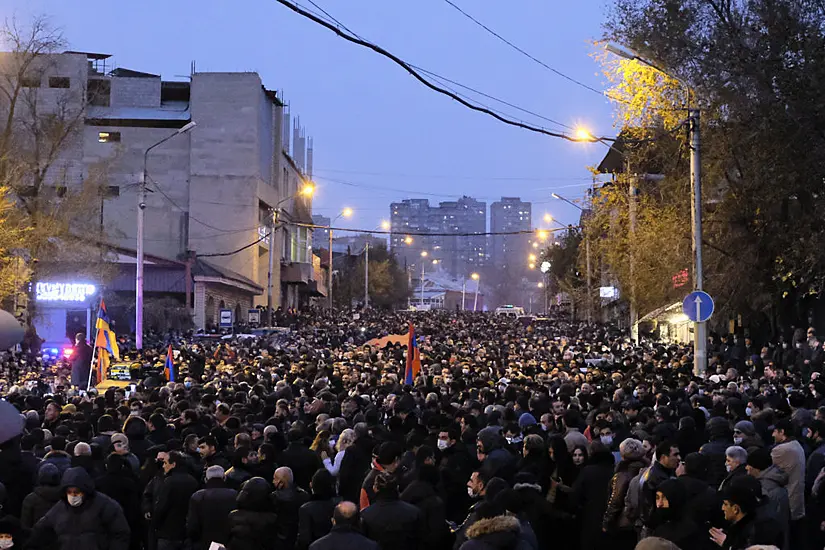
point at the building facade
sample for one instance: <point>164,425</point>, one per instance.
<point>212,192</point>
<point>510,214</point>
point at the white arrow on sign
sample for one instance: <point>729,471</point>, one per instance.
<point>698,302</point>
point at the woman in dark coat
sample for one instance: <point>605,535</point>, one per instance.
<point>315,516</point>
<point>590,494</point>
<point>253,526</point>
<point>616,522</point>
<point>135,429</point>
<point>120,483</point>
<point>422,493</point>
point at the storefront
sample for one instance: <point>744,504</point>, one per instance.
<point>63,309</point>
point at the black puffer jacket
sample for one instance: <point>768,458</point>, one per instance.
<point>208,518</point>
<point>498,533</point>
<point>315,519</point>
<point>422,495</point>
<point>286,503</point>
<point>44,496</point>
<point>253,526</point>
<point>614,517</point>
<point>97,524</point>
<point>172,503</point>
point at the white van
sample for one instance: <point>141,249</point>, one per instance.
<point>510,311</point>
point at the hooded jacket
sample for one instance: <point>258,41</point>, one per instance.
<point>790,458</point>
<point>253,526</point>
<point>498,533</point>
<point>45,495</point>
<point>97,523</point>
<point>672,523</point>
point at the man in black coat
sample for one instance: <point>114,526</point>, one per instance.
<point>392,523</point>
<point>287,501</point>
<point>209,508</point>
<point>298,458</point>
<point>81,362</point>
<point>344,534</point>
<point>172,502</point>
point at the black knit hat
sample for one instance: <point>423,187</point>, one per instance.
<point>760,459</point>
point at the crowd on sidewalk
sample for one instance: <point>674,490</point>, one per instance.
<point>561,436</point>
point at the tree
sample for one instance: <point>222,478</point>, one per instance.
<point>756,67</point>
<point>41,150</point>
<point>388,286</point>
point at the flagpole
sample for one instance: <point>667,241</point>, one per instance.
<point>91,367</point>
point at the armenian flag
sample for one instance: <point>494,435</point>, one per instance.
<point>169,369</point>
<point>105,342</point>
<point>413,358</point>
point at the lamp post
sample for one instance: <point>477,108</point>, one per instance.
<point>140,235</point>
<point>477,278</point>
<point>588,302</point>
<point>345,213</point>
<point>700,357</point>
<point>307,190</point>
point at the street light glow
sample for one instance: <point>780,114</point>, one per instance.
<point>555,196</point>
<point>474,276</point>
<point>535,245</point>
<point>408,240</point>
<point>548,218</point>
<point>531,265</point>
<point>423,253</point>
<point>347,212</point>
<point>583,134</point>
<point>385,225</point>
<point>532,257</point>
<point>541,285</point>
<point>308,190</point>
<point>542,234</point>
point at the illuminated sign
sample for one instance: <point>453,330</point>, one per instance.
<point>608,292</point>
<point>63,292</point>
<point>680,279</point>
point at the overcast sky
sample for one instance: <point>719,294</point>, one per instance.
<point>375,127</point>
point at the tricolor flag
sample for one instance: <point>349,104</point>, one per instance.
<point>413,358</point>
<point>169,369</point>
<point>105,342</point>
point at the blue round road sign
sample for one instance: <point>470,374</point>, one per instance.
<point>698,306</point>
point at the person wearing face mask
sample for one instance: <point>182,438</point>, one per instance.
<point>172,502</point>
<point>736,460</point>
<point>668,520</point>
<point>744,435</point>
<point>455,466</point>
<point>83,519</point>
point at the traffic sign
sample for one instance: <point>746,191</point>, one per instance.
<point>226,318</point>
<point>254,316</point>
<point>698,306</point>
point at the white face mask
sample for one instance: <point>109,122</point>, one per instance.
<point>470,492</point>
<point>738,440</point>
<point>6,543</point>
<point>748,411</point>
<point>606,439</point>
<point>75,500</point>
<point>442,444</point>
<point>727,467</point>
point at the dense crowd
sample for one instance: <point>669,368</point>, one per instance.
<point>551,436</point>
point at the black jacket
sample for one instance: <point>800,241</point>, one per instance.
<point>702,502</point>
<point>343,538</point>
<point>354,467</point>
<point>303,462</point>
<point>97,524</point>
<point>651,479</point>
<point>123,487</point>
<point>17,474</point>
<point>172,503</point>
<point>614,518</point>
<point>750,532</point>
<point>498,533</point>
<point>739,471</point>
<point>393,524</point>
<point>285,504</point>
<point>208,517</point>
<point>47,493</point>
<point>315,520</point>
<point>254,526</point>
<point>422,495</point>
<point>590,493</point>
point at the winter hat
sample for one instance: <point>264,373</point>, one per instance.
<point>32,420</point>
<point>214,472</point>
<point>526,420</point>
<point>11,423</point>
<point>746,427</point>
<point>631,449</point>
<point>760,459</point>
<point>119,438</point>
<point>494,487</point>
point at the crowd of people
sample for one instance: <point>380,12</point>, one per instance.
<point>555,436</point>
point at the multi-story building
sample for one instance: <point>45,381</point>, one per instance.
<point>320,237</point>
<point>510,214</point>
<point>212,191</point>
<point>453,233</point>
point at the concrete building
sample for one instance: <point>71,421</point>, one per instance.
<point>212,191</point>
<point>320,237</point>
<point>455,233</point>
<point>440,291</point>
<point>510,214</point>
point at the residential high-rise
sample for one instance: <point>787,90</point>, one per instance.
<point>453,233</point>
<point>508,215</point>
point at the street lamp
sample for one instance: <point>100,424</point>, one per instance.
<point>345,213</point>
<point>699,338</point>
<point>586,254</point>
<point>548,218</point>
<point>424,255</point>
<point>477,278</point>
<point>140,235</point>
<point>408,240</point>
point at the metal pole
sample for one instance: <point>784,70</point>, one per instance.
<point>329,291</point>
<point>588,302</point>
<point>546,294</point>
<point>700,361</point>
<point>463,291</point>
<point>367,276</point>
<point>139,268</point>
<point>269,303</point>
<point>475,301</point>
<point>422,284</point>
<point>634,314</point>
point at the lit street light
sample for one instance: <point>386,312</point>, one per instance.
<point>548,218</point>
<point>408,240</point>
<point>477,278</point>
<point>385,225</point>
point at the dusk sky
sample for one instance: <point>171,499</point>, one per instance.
<point>379,134</point>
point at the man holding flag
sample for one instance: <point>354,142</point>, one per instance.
<point>413,358</point>
<point>169,368</point>
<point>105,344</point>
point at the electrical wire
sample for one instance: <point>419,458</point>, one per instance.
<point>241,249</point>
<point>418,76</point>
<point>451,177</point>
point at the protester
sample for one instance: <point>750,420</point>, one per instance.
<point>344,534</point>
<point>207,520</point>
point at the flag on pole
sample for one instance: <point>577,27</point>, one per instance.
<point>105,342</point>
<point>413,358</point>
<point>169,369</point>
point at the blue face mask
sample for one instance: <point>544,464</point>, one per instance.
<point>187,385</point>
<point>748,411</point>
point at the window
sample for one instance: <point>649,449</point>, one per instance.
<point>98,92</point>
<point>59,82</point>
<point>300,249</point>
<point>108,137</point>
<point>113,191</point>
<point>30,82</point>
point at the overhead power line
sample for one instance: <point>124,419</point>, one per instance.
<point>418,76</point>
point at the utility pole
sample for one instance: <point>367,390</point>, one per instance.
<point>700,341</point>
<point>271,267</point>
<point>367,276</point>
<point>329,290</point>
<point>634,313</point>
<point>463,291</point>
